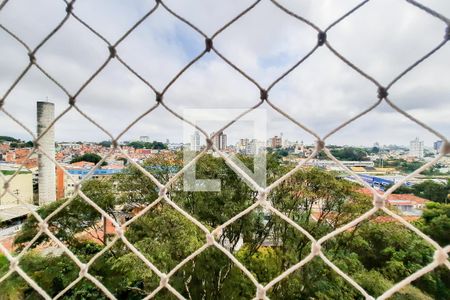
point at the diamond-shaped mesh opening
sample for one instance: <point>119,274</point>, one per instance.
<point>121,264</point>
<point>429,284</point>
<point>16,286</point>
<point>383,47</point>
<point>269,245</point>
<point>214,276</point>
<point>278,50</point>
<point>320,200</point>
<point>60,272</point>
<point>169,39</point>
<point>23,98</point>
<point>211,78</point>
<point>78,44</point>
<point>112,24</point>
<point>74,222</point>
<point>127,90</point>
<point>52,14</point>
<point>137,185</point>
<point>215,208</point>
<point>397,252</point>
<point>164,236</point>
<point>315,279</point>
<point>311,86</point>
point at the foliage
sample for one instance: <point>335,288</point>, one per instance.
<point>375,150</point>
<point>409,166</point>
<point>12,172</point>
<point>105,144</point>
<point>432,190</point>
<point>436,222</point>
<point>52,273</point>
<point>77,217</point>
<point>427,189</point>
<point>4,138</point>
<point>376,255</point>
<point>403,189</point>
<point>147,145</point>
<point>15,143</point>
<point>347,153</point>
<point>89,157</point>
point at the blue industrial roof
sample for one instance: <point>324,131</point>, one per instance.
<point>96,172</point>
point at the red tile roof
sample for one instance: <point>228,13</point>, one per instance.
<point>407,197</point>
<point>396,197</point>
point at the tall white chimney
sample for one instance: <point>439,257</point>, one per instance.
<point>47,176</point>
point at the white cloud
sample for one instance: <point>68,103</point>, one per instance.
<point>382,38</point>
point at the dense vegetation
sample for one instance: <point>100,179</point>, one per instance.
<point>147,145</point>
<point>15,143</point>
<point>428,189</point>
<point>89,157</point>
<point>4,138</point>
<point>105,144</point>
<point>409,166</point>
<point>347,153</point>
<point>375,254</point>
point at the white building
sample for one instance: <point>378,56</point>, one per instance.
<point>416,148</point>
<point>195,141</point>
<point>21,186</point>
<point>250,147</point>
<point>220,141</point>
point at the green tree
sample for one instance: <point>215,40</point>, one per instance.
<point>89,157</point>
<point>432,190</point>
<point>403,189</point>
<point>435,222</point>
<point>148,145</point>
<point>4,138</point>
<point>375,254</point>
<point>105,144</point>
<point>75,218</point>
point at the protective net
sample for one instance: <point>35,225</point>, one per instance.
<point>441,253</point>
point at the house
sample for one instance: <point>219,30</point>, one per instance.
<point>407,204</point>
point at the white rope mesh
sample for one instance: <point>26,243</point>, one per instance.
<point>441,253</point>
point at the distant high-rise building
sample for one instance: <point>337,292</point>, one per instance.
<point>416,148</point>
<point>438,145</point>
<point>250,146</point>
<point>220,141</point>
<point>276,142</point>
<point>242,145</point>
<point>195,141</point>
<point>223,141</point>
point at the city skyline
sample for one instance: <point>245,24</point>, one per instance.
<point>322,94</point>
<point>234,140</point>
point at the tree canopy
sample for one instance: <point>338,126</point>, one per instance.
<point>374,254</point>
<point>89,157</point>
<point>147,145</point>
<point>428,189</point>
<point>347,153</point>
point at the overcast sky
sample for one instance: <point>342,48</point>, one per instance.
<point>382,38</point>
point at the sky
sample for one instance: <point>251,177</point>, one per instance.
<point>382,38</point>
